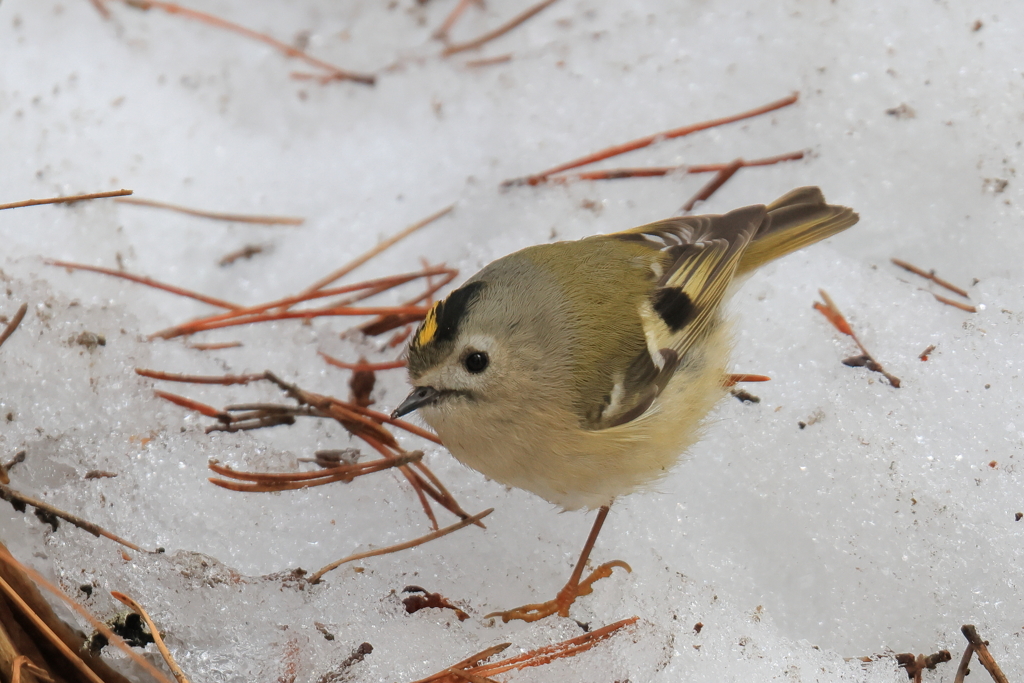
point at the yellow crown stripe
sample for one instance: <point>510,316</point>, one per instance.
<point>429,327</point>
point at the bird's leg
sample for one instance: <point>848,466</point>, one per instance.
<point>574,588</point>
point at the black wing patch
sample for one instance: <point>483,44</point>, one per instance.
<point>674,306</point>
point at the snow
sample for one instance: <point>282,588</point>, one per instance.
<point>885,523</point>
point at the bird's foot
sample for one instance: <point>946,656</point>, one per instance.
<point>564,599</point>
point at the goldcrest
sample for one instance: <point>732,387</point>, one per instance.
<point>581,371</point>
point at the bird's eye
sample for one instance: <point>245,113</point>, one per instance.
<point>476,362</point>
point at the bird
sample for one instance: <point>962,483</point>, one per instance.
<point>582,371</point>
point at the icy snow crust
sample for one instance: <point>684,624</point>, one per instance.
<point>887,522</point>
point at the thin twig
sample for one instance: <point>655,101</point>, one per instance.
<point>315,578</point>
<point>18,499</point>
<point>226,380</point>
<point>648,140</point>
<point>657,171</point>
<point>215,215</point>
<point>142,280</point>
<point>838,320</point>
<point>336,73</point>
<point>215,346</point>
<point>179,675</point>
<point>65,200</point>
<point>362,366</point>
<point>498,32</point>
<point>355,263</point>
<point>965,662</point>
<point>984,656</point>
<point>930,275</point>
<point>13,324</point>
<point>489,61</point>
<point>712,186</point>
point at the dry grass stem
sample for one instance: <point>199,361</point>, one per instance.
<point>65,200</point>
<point>930,275</point>
<point>498,32</point>
<point>333,72</point>
<point>984,656</point>
<point>315,578</point>
<point>149,282</point>
<point>648,140</point>
<point>19,500</point>
<point>214,215</point>
<point>179,675</point>
<point>13,323</point>
<point>838,320</point>
<point>704,193</point>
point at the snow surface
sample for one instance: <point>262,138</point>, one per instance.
<point>885,524</point>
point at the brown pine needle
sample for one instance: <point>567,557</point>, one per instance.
<point>732,380</point>
<point>930,275</point>
<point>215,346</point>
<point>214,215</point>
<point>335,73</point>
<point>984,656</point>
<point>648,140</point>
<point>538,657</point>
<point>362,367</point>
<point>389,242</point>
<point>116,640</point>
<point>369,287</point>
<point>69,654</point>
<point>489,61</point>
<point>291,481</point>
<point>208,411</point>
<point>199,379</point>
<point>498,32</point>
<point>657,171</point>
<point>838,320</point>
<point>149,282</point>
<point>12,325</point>
<point>23,662</point>
<point>19,499</point>
<point>179,675</point>
<point>315,578</point>
<point>65,200</point>
<point>954,304</point>
<point>442,31</point>
<point>965,662</point>
<point>712,186</point>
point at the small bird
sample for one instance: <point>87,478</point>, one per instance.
<point>581,371</point>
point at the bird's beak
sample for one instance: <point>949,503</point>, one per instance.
<point>419,397</point>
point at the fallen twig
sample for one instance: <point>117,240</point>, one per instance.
<point>315,578</point>
<point>65,200</point>
<point>12,325</point>
<point>334,72</point>
<point>214,215</point>
<point>441,33</point>
<point>835,316</point>
<point>20,500</point>
<point>984,656</point>
<point>648,140</point>
<point>965,662</point>
<point>498,32</point>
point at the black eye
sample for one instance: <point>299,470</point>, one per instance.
<point>476,362</point>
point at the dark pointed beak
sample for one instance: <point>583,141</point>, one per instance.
<point>419,397</point>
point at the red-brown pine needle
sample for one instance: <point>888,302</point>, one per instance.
<point>65,200</point>
<point>648,140</point>
<point>657,171</point>
<point>498,32</point>
<point>214,215</point>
